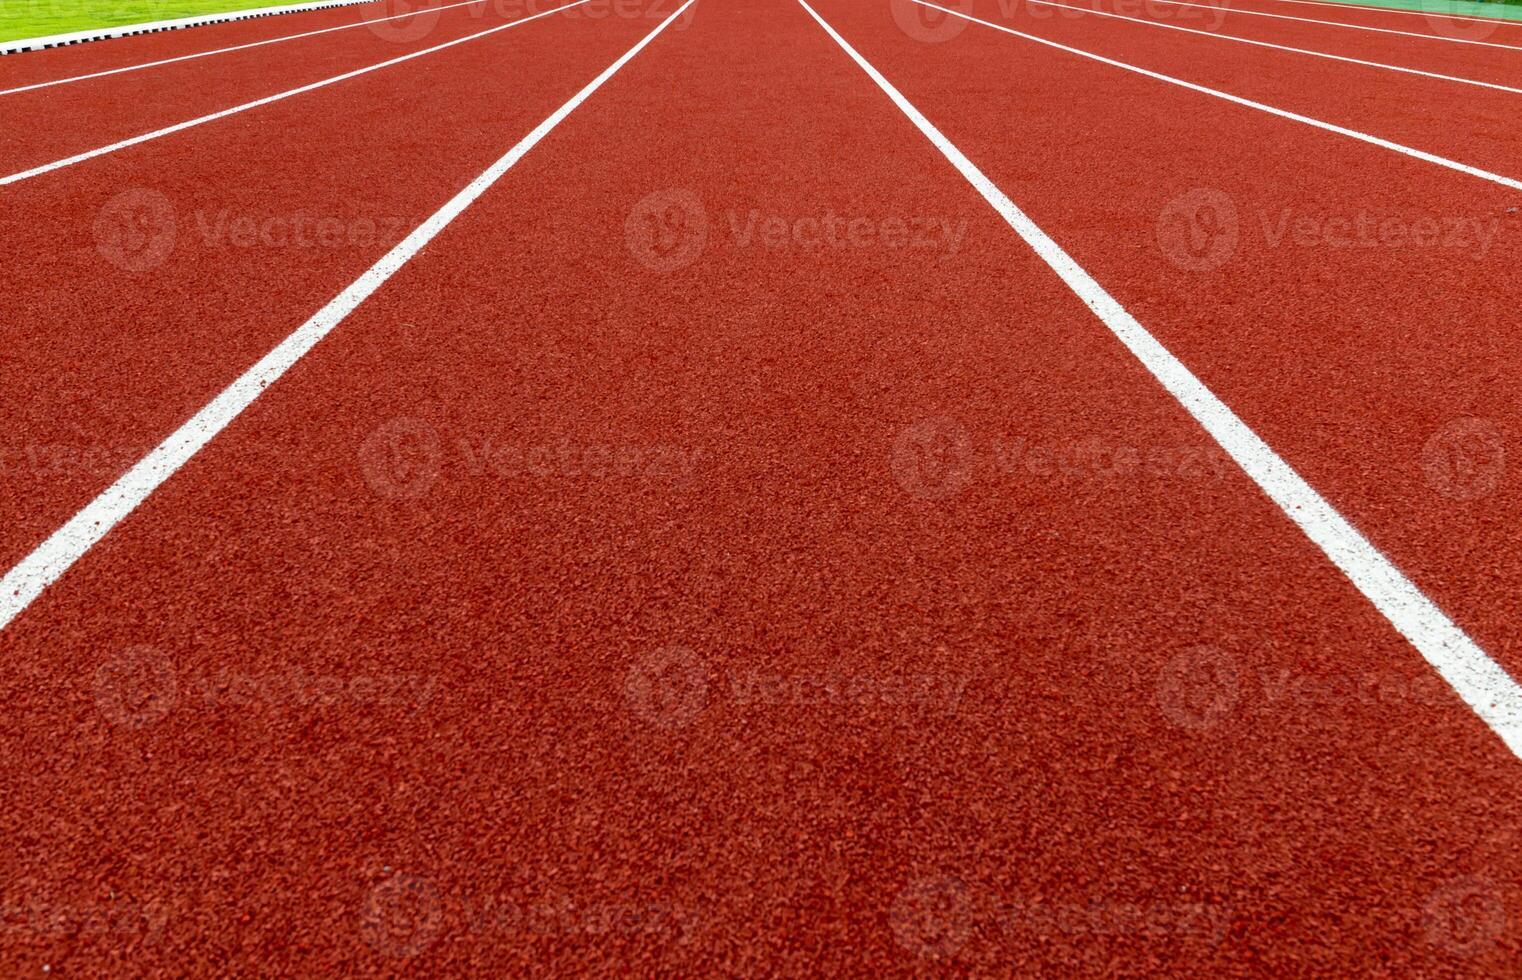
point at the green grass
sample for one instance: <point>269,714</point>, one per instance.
<point>37,18</point>
<point>1506,9</point>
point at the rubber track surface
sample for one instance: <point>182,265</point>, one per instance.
<point>1487,64</point>
<point>60,122</point>
<point>1359,362</point>
<point>103,371</point>
<point>625,588</point>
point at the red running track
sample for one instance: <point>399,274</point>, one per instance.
<point>1433,22</point>
<point>1497,65</point>
<point>56,123</point>
<point>602,595</point>
<point>104,369</point>
<point>1376,346</point>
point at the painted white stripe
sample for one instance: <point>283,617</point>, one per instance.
<point>22,584</point>
<point>1277,47</point>
<point>1480,681</point>
<point>267,100</point>
<point>236,47</point>
<point>1372,8</point>
<point>1400,148</point>
<point>154,27</point>
<point>1338,23</point>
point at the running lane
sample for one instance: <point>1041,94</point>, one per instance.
<point>1343,299</point>
<point>38,66</point>
<point>56,123</point>
<point>782,573</point>
<point>1433,22</point>
<point>1464,123</point>
<point>144,281</point>
<point>1483,63</point>
<point>398,20</point>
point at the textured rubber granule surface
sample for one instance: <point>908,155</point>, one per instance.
<point>59,122</point>
<point>727,548</point>
<point>1439,55</point>
<point>248,226</point>
<point>1370,359</point>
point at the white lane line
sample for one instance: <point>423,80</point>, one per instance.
<point>155,27</point>
<point>1371,8</point>
<point>1480,681</point>
<point>236,47</point>
<point>54,556</point>
<point>1400,148</point>
<point>1277,47</point>
<point>223,114</point>
<point>1338,23</point>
